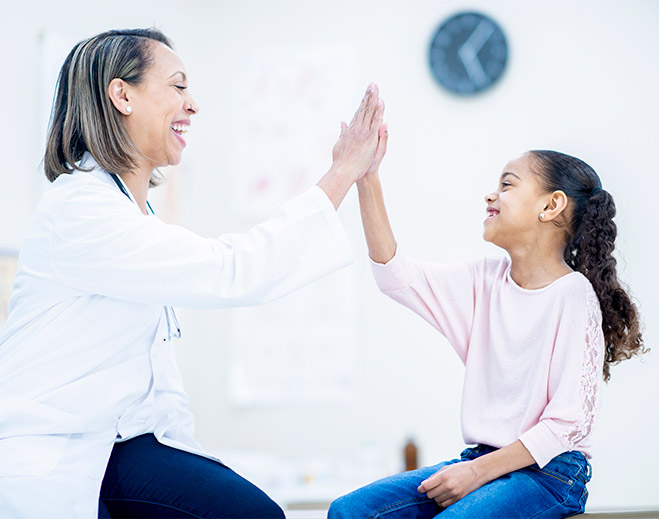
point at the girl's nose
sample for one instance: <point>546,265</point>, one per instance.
<point>490,198</point>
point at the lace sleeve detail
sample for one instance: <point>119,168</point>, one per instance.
<point>590,375</point>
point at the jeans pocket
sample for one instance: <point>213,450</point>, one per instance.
<point>565,477</point>
<point>571,465</point>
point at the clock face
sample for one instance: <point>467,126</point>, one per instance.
<point>468,53</point>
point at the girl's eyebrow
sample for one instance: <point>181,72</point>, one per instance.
<point>509,173</point>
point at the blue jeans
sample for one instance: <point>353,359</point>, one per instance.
<point>557,490</point>
<point>147,479</point>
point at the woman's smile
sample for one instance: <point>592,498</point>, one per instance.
<point>180,128</point>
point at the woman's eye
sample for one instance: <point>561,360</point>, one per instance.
<point>180,87</point>
<point>505,184</point>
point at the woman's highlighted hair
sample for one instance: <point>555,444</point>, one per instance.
<point>83,118</point>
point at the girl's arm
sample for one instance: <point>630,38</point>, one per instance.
<point>453,482</point>
<point>379,236</point>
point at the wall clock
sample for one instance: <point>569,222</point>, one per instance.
<point>468,53</point>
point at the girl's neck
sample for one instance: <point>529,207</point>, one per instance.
<point>535,268</point>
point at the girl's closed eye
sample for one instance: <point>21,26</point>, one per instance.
<point>181,87</point>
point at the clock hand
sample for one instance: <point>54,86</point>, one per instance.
<point>478,38</point>
<point>475,71</point>
<point>468,52</point>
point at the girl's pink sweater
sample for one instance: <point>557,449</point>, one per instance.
<point>533,358</point>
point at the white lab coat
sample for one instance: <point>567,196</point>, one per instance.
<point>85,356</point>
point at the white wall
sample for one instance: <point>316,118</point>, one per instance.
<point>581,78</point>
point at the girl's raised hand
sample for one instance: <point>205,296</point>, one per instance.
<point>383,137</point>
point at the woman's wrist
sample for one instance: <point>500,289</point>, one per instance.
<point>336,183</point>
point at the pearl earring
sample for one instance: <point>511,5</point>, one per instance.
<point>542,216</point>
<point>128,109</point>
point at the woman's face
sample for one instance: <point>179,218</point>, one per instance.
<point>161,107</point>
<point>513,209</point>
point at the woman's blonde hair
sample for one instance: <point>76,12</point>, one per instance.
<point>83,117</point>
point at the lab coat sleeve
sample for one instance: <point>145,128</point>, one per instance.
<point>101,244</point>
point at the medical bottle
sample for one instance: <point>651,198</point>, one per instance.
<point>410,453</point>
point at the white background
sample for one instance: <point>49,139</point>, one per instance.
<point>582,78</point>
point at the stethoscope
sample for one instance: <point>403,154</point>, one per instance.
<point>168,309</point>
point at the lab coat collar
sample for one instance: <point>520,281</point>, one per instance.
<point>88,162</point>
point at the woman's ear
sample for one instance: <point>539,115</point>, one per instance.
<point>555,206</point>
<point>117,90</point>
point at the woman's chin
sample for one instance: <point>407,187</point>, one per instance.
<point>173,160</point>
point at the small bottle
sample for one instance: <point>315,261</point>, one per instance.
<point>411,453</point>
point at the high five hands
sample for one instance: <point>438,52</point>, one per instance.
<point>358,147</point>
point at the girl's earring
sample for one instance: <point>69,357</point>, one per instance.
<point>128,109</point>
<point>542,216</point>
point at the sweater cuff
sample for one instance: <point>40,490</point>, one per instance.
<point>393,275</point>
<point>542,444</point>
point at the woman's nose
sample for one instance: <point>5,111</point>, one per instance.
<point>192,106</point>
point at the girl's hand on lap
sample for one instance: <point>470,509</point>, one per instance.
<point>451,483</point>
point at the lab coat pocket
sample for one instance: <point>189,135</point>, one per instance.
<point>31,455</point>
<point>33,436</point>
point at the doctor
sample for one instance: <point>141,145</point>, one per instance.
<point>91,400</point>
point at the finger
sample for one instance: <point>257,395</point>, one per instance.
<point>343,128</point>
<point>378,115</point>
<point>362,106</point>
<point>380,150</point>
<point>431,482</point>
<point>439,494</point>
<point>447,503</point>
<point>383,138</point>
<point>371,105</point>
<point>427,486</point>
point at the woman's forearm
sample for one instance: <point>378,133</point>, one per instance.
<point>379,236</point>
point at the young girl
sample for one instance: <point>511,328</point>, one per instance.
<point>535,331</point>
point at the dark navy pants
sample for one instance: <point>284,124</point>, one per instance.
<point>145,479</point>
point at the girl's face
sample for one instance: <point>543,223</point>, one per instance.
<point>161,109</point>
<point>513,209</point>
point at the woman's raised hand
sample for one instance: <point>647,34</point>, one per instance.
<point>358,141</point>
<point>354,152</point>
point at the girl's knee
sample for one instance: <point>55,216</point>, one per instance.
<point>346,507</point>
<point>337,509</point>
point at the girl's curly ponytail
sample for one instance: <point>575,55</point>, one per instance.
<point>591,234</point>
